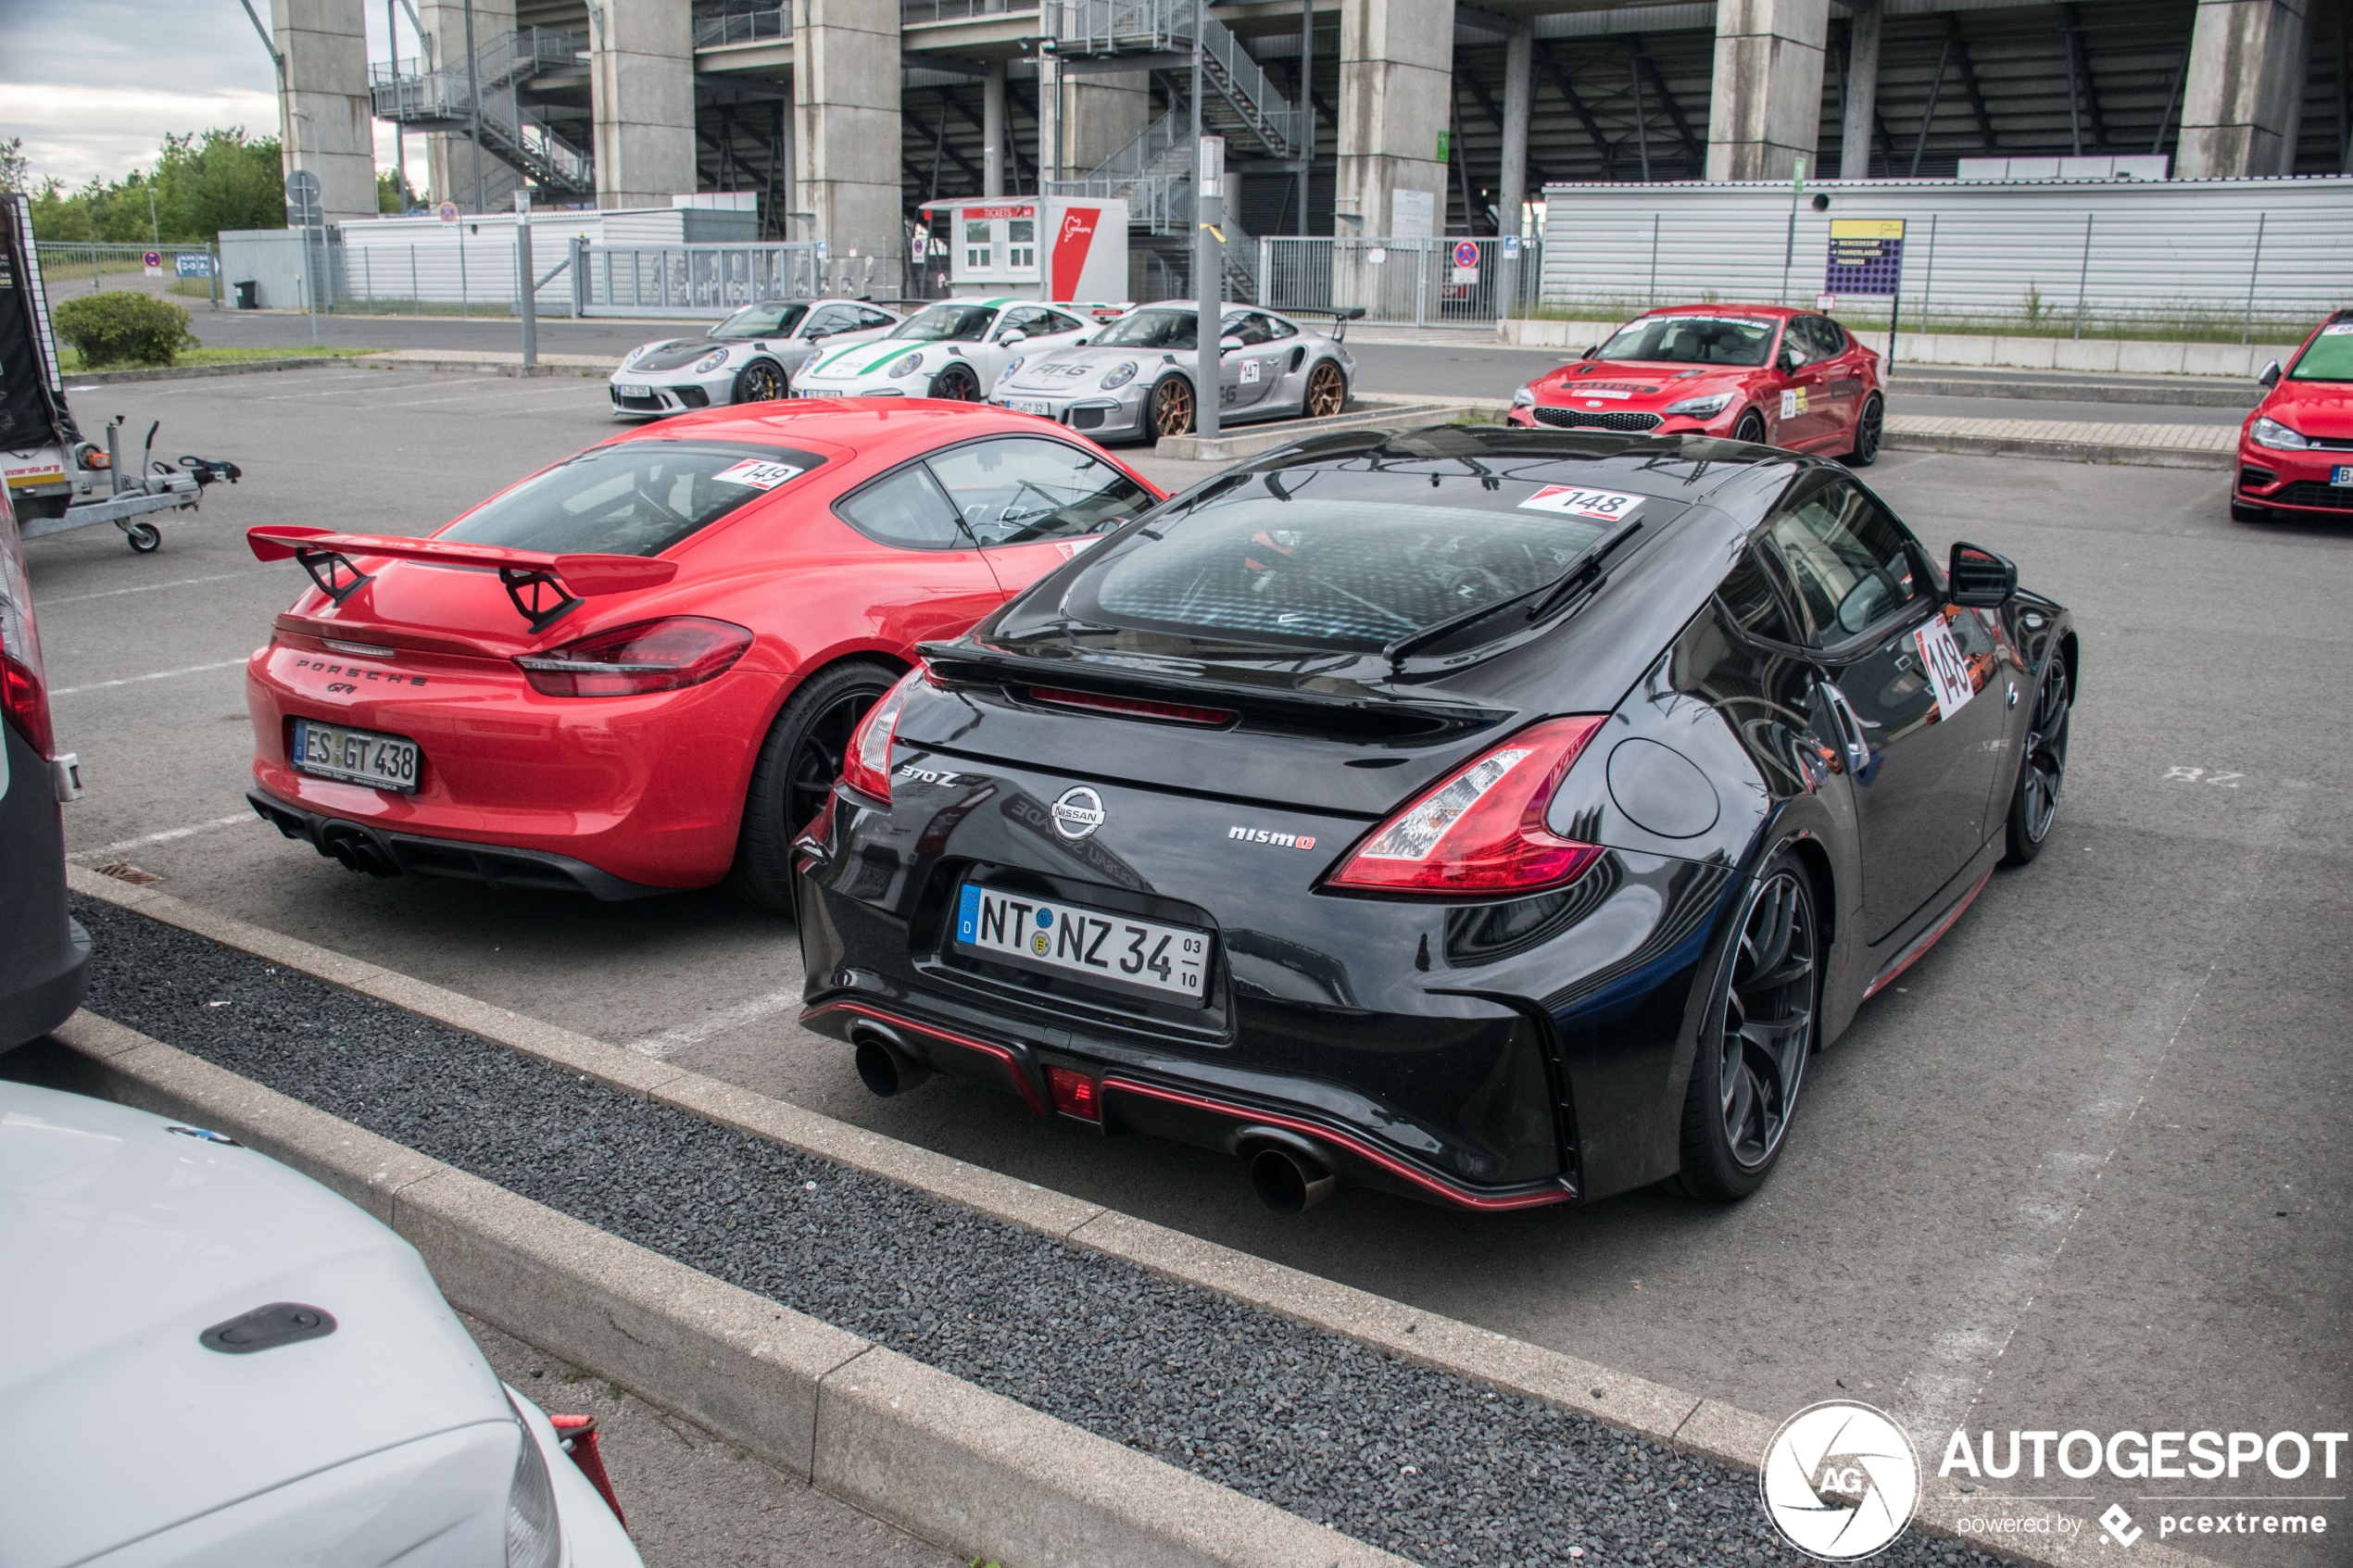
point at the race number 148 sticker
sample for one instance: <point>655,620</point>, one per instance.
<point>759,475</point>
<point>1569,501</point>
<point>1948,670</point>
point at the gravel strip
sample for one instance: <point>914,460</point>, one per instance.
<point>1425,1464</point>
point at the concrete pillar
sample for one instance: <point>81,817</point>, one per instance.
<point>2244,89</point>
<point>1862,88</point>
<point>1049,122</point>
<point>450,156</point>
<point>325,117</point>
<point>1102,113</point>
<point>1396,91</point>
<point>1766,104</point>
<point>641,81</point>
<point>846,77</point>
<point>1519,63</point>
<point>992,120</point>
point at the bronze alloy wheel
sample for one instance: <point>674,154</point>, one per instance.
<point>760,382</point>
<point>957,384</point>
<point>1327,391</point>
<point>1172,411</point>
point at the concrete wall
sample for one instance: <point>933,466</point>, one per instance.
<point>325,121</point>
<point>846,132</point>
<point>1765,107</point>
<point>2244,92</point>
<point>641,78</point>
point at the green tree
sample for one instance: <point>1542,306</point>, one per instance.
<point>203,183</point>
<point>393,192</point>
<point>15,170</point>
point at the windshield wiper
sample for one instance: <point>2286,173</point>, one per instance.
<point>1585,564</point>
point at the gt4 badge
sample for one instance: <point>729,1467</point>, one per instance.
<point>1264,835</point>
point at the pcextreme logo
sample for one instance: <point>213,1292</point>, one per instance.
<point>1840,1480</point>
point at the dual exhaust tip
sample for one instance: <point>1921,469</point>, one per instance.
<point>1289,1173</point>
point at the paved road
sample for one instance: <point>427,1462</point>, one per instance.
<point>2083,1168</point>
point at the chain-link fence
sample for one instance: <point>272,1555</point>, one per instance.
<point>69,266</point>
<point>1425,282</point>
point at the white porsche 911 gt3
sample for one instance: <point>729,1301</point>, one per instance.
<point>955,349</point>
<point>749,358</point>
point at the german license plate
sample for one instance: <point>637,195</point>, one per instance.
<point>1170,960</point>
<point>356,756</point>
<point>1031,406</point>
<point>822,392</point>
<point>628,391</point>
<point>2341,476</point>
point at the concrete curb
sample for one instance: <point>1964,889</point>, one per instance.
<point>2062,451</point>
<point>489,362</point>
<point>200,372</point>
<point>2066,391</point>
<point>955,1464</point>
<point>1687,1422</point>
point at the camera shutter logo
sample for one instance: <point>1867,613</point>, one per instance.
<point>1077,812</point>
<point>1840,1480</point>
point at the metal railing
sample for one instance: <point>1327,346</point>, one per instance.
<point>71,265</point>
<point>1129,27</point>
<point>718,26</point>
<point>958,10</point>
<point>706,280</point>
<point>1425,282</point>
<point>445,100</point>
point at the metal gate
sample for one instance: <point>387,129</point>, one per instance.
<point>709,280</point>
<point>1426,282</point>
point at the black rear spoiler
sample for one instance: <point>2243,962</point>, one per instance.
<point>1339,318</point>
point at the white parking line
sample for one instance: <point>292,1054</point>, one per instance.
<point>40,604</point>
<point>695,1033</point>
<point>155,675</point>
<point>164,838</point>
<point>478,396</point>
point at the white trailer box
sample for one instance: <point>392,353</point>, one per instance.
<point>1036,247</point>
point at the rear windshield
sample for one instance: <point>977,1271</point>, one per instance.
<point>1691,340</point>
<point>1351,557</point>
<point>632,498</point>
<point>2330,358</point>
<point>949,323</point>
<point>1150,328</point>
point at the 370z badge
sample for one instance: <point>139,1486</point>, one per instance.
<point>1077,813</point>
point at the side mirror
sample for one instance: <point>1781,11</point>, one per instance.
<point>1229,344</point>
<point>1012,337</point>
<point>2269,374</point>
<point>1789,360</point>
<point>1979,579</point>
<point>1591,349</point>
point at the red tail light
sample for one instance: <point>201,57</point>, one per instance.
<point>865,765</point>
<point>24,696</point>
<point>1073,1093</point>
<point>1480,833</point>
<point>1132,707</point>
<point>649,655</point>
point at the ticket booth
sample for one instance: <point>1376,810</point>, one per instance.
<point>1035,247</point>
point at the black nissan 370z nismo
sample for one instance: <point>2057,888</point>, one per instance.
<point>1495,817</point>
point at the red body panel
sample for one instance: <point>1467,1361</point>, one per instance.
<point>1814,409</point>
<point>2320,411</point>
<point>649,788</point>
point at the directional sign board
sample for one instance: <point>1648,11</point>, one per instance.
<point>187,264</point>
<point>1866,257</point>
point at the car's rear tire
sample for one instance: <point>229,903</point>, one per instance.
<point>1762,1022</point>
<point>759,382</point>
<point>2042,767</point>
<point>1751,428</point>
<point>1869,426</point>
<point>1326,392</point>
<point>2242,511</point>
<point>956,384</point>
<point>1171,409</point>
<point>797,763</point>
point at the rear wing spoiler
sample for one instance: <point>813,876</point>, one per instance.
<point>542,586</point>
<point>1339,318</point>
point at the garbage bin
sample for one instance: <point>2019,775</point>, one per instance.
<point>246,300</point>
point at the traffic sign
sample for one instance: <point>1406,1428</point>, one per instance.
<point>190,265</point>
<point>154,260</point>
<point>304,207</point>
<point>446,212</point>
<point>1466,253</point>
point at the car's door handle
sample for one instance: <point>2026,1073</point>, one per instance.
<point>1850,724</point>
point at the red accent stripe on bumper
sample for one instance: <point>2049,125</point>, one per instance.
<point>1013,1063</point>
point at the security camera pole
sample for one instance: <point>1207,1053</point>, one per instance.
<point>1209,248</point>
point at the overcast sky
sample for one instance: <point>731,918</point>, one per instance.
<point>94,85</point>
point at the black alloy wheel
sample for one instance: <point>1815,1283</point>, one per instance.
<point>1751,428</point>
<point>759,382</point>
<point>1762,1026</point>
<point>2042,767</point>
<point>956,384</point>
<point>1326,392</point>
<point>796,770</point>
<point>1172,406</point>
<point>1868,428</point>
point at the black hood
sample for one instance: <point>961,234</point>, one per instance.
<point>675,353</point>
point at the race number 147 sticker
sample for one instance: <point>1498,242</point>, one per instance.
<point>759,475</point>
<point>1570,501</point>
<point>1948,670</point>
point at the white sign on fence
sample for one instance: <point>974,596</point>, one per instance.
<point>1412,213</point>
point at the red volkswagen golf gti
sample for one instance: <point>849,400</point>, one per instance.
<point>634,672</point>
<point>2295,449</point>
<point>1753,372</point>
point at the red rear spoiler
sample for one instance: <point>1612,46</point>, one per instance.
<point>542,586</point>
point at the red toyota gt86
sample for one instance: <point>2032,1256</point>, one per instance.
<point>1755,373</point>
<point>634,672</point>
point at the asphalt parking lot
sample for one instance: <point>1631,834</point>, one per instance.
<point>2082,1169</point>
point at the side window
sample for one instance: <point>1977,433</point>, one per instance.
<point>1247,325</point>
<point>1749,594</point>
<point>1278,328</point>
<point>1851,563</point>
<point>1055,321</point>
<point>1023,488</point>
<point>1829,338</point>
<point>907,510</point>
<point>869,318</point>
<point>832,319</point>
<point>1027,319</point>
<point>1795,344</point>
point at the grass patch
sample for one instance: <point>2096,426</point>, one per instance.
<point>73,365</point>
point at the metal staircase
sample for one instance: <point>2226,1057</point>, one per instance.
<point>443,100</point>
<point>1154,172</point>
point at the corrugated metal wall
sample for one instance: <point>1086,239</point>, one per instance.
<point>1977,256</point>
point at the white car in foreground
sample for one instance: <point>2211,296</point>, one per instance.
<point>749,358</point>
<point>955,349</point>
<point>216,1363</point>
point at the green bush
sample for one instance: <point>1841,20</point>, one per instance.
<point>124,327</point>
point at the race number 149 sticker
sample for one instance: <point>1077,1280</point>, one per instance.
<point>1948,670</point>
<point>1569,501</point>
<point>759,475</point>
